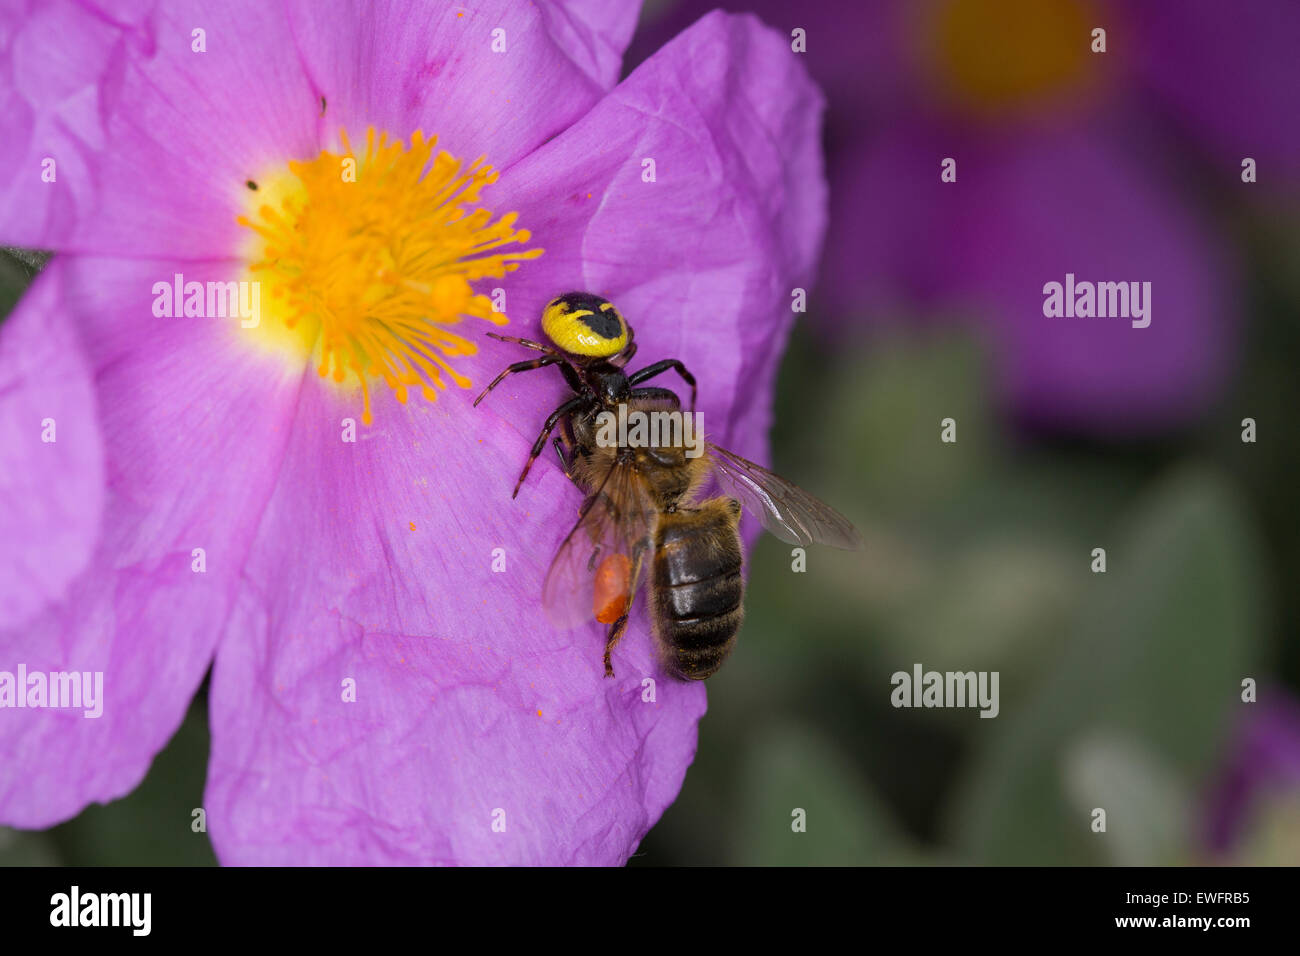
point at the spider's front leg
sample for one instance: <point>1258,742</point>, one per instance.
<point>572,405</point>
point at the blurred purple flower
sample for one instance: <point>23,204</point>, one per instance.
<point>1263,765</point>
<point>1227,75</point>
<point>372,561</point>
<point>1065,163</point>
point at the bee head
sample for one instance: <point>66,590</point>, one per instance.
<point>585,325</point>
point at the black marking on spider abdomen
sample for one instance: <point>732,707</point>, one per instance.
<point>605,324</point>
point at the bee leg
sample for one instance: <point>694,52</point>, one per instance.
<point>568,407</point>
<point>618,627</point>
<point>615,635</point>
<point>565,448</point>
<point>651,391</point>
<point>658,368</point>
<point>564,462</point>
<point>516,367</point>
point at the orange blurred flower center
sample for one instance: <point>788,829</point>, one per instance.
<point>994,56</point>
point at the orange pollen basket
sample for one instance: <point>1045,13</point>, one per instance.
<point>610,597</point>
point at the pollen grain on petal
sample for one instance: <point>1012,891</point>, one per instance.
<point>367,257</point>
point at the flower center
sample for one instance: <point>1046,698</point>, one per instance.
<point>368,261</point>
<point>997,56</point>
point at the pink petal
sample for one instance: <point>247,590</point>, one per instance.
<point>402,66</point>
<point>594,32</point>
<point>186,129</point>
<point>193,426</point>
<point>51,458</point>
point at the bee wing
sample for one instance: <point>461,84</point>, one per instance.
<point>611,539</point>
<point>785,509</point>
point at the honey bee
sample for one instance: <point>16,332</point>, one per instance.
<point>643,498</point>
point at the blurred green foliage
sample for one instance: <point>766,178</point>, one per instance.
<point>1154,656</point>
<point>1117,690</point>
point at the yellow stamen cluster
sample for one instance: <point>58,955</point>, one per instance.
<point>370,258</point>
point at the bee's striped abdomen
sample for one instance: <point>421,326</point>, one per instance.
<point>698,591</point>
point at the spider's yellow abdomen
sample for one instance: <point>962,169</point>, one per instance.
<point>584,324</point>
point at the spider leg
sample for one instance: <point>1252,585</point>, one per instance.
<point>526,343</point>
<point>567,408</point>
<point>516,367</point>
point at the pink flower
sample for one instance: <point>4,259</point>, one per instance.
<point>379,694</point>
